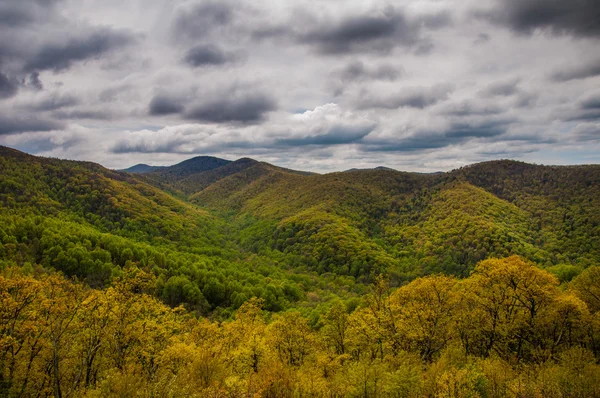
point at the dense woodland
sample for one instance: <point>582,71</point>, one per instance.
<point>219,278</point>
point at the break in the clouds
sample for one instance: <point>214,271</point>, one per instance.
<point>421,85</point>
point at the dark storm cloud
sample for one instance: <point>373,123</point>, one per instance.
<point>59,56</point>
<point>242,107</point>
<point>421,97</point>
<point>208,55</point>
<point>196,20</point>
<point>579,72</point>
<point>500,89</point>
<point>8,86</point>
<point>572,17</point>
<point>18,124</point>
<point>163,104</point>
<point>357,72</point>
<point>378,32</point>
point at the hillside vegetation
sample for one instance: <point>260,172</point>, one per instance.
<point>63,339</point>
<point>240,278</point>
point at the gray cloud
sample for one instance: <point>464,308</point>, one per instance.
<point>586,132</point>
<point>14,13</point>
<point>163,104</point>
<point>412,97</point>
<point>19,124</point>
<point>53,102</point>
<point>8,86</point>
<point>468,108</point>
<point>582,115</point>
<point>61,55</point>
<point>572,17</point>
<point>335,136</point>
<point>196,20</point>
<point>380,31</point>
<point>482,38</point>
<point>356,71</point>
<point>89,113</point>
<point>487,128</point>
<point>586,109</point>
<point>208,55</point>
<point>500,89</point>
<point>584,71</point>
<point>592,102</point>
<point>46,144</point>
<point>456,133</point>
<point>35,82</point>
<point>169,146</point>
<point>241,107</point>
<point>526,99</point>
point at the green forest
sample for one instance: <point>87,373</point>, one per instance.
<point>216,278</point>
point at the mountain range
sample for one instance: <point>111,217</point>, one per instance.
<point>240,278</point>
<point>203,220</point>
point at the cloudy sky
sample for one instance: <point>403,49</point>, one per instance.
<point>321,85</point>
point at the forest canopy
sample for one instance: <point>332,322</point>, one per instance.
<point>217,278</point>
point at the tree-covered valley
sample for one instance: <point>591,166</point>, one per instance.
<point>240,278</point>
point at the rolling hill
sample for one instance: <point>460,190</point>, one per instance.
<point>241,278</point>
<point>351,225</point>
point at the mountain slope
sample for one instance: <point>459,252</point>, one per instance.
<point>287,231</point>
<point>90,222</point>
<point>423,223</point>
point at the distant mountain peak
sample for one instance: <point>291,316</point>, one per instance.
<point>142,168</point>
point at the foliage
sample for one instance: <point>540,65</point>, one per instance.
<point>61,338</point>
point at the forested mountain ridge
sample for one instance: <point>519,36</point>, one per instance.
<point>359,283</point>
<point>90,222</point>
<point>356,223</point>
<point>544,213</point>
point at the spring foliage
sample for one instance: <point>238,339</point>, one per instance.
<point>245,279</point>
<point>507,330</point>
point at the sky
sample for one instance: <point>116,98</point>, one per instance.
<point>317,85</point>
